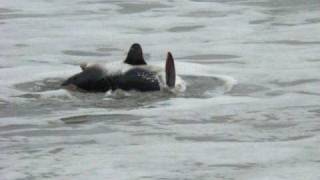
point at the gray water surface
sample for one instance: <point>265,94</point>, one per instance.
<point>250,109</point>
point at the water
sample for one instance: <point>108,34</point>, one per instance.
<point>250,111</point>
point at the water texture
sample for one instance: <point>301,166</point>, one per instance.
<point>251,108</point>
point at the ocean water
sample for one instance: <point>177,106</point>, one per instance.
<point>251,108</point>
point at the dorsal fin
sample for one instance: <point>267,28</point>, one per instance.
<point>170,71</point>
<point>135,55</point>
<point>83,66</point>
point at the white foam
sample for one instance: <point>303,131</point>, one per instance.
<point>60,94</point>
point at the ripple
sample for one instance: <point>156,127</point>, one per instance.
<point>7,10</point>
<point>287,42</point>
<point>84,53</point>
<point>308,93</point>
<point>60,132</point>
<point>21,15</point>
<point>155,134</point>
<point>207,139</point>
<point>313,60</point>
<point>283,7</point>
<point>146,30</point>
<point>236,166</point>
<point>297,138</point>
<point>316,113</point>
<point>312,20</point>
<point>225,1</point>
<point>216,138</point>
<point>212,59</point>
<point>216,62</point>
<point>294,83</point>
<point>275,125</point>
<point>261,21</point>
<point>109,118</point>
<point>213,120</point>
<point>193,121</point>
<point>99,2</point>
<point>20,45</point>
<point>17,127</point>
<point>209,14</point>
<point>56,150</point>
<point>185,28</point>
<point>107,49</point>
<point>3,67</point>
<point>275,93</point>
<point>3,106</point>
<point>130,8</point>
<point>203,87</point>
<point>41,85</point>
<point>247,89</point>
<point>284,24</point>
<point>210,56</point>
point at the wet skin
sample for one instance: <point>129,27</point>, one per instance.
<point>95,79</point>
<point>92,79</point>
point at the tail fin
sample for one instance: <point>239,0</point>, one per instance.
<point>170,71</point>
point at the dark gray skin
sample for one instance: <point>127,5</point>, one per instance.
<point>95,79</point>
<point>135,55</point>
<point>92,79</point>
